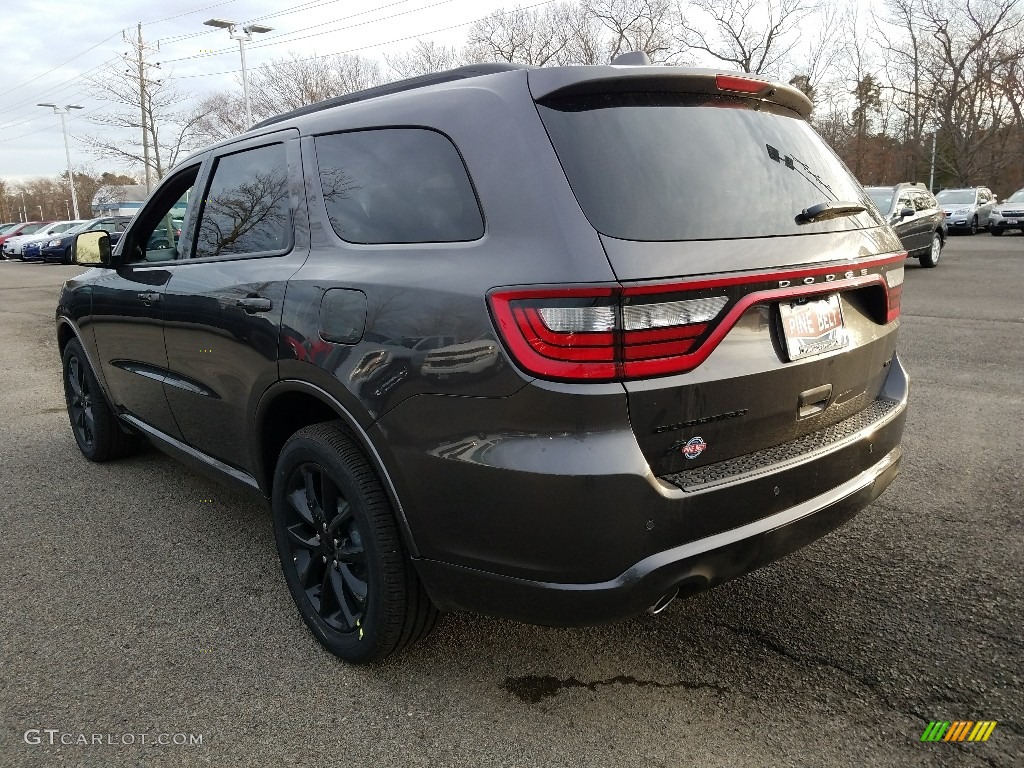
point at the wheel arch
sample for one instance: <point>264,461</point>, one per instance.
<point>288,406</point>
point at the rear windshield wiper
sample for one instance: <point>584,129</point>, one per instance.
<point>826,211</point>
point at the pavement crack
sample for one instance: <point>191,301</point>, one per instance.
<point>772,644</point>
<point>535,688</point>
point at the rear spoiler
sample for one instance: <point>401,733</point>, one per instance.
<point>586,80</point>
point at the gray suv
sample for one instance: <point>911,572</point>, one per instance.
<point>968,209</point>
<point>485,341</point>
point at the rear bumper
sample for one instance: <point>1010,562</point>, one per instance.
<point>623,540</point>
<point>689,568</point>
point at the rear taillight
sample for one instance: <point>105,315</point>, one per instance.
<point>604,333</point>
<point>741,84</point>
<point>894,284</point>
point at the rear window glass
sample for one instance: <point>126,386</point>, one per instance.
<point>881,197</point>
<point>957,196</point>
<point>667,166</point>
<point>397,185</point>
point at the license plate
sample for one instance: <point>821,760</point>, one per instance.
<point>1011,221</point>
<point>813,327</point>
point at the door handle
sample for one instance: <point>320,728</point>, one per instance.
<point>149,297</point>
<point>253,304</point>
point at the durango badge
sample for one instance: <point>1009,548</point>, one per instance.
<point>694,448</point>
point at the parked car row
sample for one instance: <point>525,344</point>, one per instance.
<point>14,246</point>
<point>923,222</point>
<point>52,241</point>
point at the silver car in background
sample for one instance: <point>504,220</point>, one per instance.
<point>967,209</point>
<point>1009,214</point>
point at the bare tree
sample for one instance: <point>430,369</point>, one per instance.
<point>535,36</point>
<point>424,58</point>
<point>282,85</point>
<point>138,97</point>
<point>637,25</point>
<point>754,35</point>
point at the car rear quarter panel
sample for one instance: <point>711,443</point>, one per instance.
<point>430,298</point>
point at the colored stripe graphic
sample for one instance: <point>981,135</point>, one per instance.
<point>958,730</point>
<point>935,730</point>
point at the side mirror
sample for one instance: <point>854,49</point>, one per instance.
<point>906,212</point>
<point>92,249</point>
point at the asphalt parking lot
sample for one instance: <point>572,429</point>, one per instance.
<point>140,598</point>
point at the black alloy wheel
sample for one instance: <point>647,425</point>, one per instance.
<point>96,428</point>
<point>326,545</point>
<point>83,420</point>
<point>974,225</point>
<point>341,551</point>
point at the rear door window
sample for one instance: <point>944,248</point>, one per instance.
<point>246,208</point>
<point>671,166</point>
<point>397,185</point>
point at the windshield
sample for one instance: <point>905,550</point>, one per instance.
<point>881,197</point>
<point>80,228</point>
<point>956,197</point>
<point>671,166</point>
<point>1016,197</point>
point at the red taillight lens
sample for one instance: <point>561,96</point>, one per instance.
<point>561,334</point>
<point>741,84</point>
<point>603,333</point>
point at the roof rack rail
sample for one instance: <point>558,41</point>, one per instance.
<point>409,84</point>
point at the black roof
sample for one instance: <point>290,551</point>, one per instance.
<point>422,81</point>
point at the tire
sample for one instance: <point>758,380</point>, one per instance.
<point>996,231</point>
<point>930,258</point>
<point>341,551</point>
<point>93,423</point>
<point>974,226</point>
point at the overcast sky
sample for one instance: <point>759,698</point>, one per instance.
<point>50,44</point>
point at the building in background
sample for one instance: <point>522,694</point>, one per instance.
<point>122,200</point>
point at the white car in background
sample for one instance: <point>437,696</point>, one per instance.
<point>15,246</point>
<point>967,209</point>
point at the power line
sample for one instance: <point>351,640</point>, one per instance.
<point>77,56</point>
<point>101,42</point>
<point>77,116</point>
<point>188,13</point>
<point>380,45</point>
<point>232,49</point>
<point>55,89</point>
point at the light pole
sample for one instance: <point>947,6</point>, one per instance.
<point>243,35</point>
<point>67,152</point>
<point>931,174</point>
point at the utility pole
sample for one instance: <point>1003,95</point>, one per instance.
<point>23,213</point>
<point>140,49</point>
<point>139,67</point>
